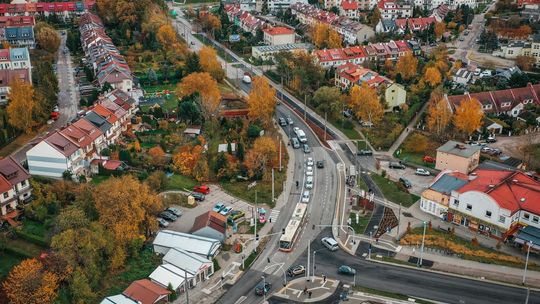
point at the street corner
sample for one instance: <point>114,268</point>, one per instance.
<point>303,290</point>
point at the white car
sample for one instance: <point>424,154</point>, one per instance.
<point>421,171</point>
<point>246,79</point>
<point>310,161</point>
<point>309,182</point>
<point>305,197</point>
<point>309,171</point>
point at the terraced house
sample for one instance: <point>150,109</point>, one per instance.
<point>61,9</point>
<point>14,189</point>
<point>18,31</point>
<point>14,64</point>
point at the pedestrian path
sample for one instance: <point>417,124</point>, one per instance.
<point>274,215</point>
<point>304,290</point>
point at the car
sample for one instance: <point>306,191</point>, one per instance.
<point>168,216</point>
<point>364,153</point>
<point>428,159</point>
<point>466,32</point>
<point>309,182</point>
<point>55,115</point>
<point>330,243</point>
<point>305,197</point>
<point>203,189</point>
<point>461,38</point>
<point>474,143</point>
<point>218,207</point>
<point>263,288</point>
<point>347,113</point>
<point>347,270</point>
<point>320,164</point>
<point>246,79</point>
<point>485,149</point>
<point>162,223</point>
<point>236,214</point>
<point>226,211</point>
<point>422,171</point>
<point>295,143</point>
<point>198,196</point>
<point>192,43</point>
<point>491,139</point>
<point>306,148</point>
<point>296,270</point>
<point>309,161</point>
<point>309,171</point>
<point>56,109</point>
<point>396,165</point>
<point>174,211</point>
<point>289,120</point>
<point>405,182</point>
<point>367,124</point>
<point>282,122</point>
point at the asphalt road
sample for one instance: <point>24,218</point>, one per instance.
<point>416,283</point>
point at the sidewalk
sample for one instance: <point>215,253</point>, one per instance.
<point>301,290</point>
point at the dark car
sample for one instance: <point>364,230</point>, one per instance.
<point>347,270</point>
<point>198,196</point>
<point>296,270</point>
<point>405,182</point>
<point>320,164</point>
<point>262,288</point>
<point>168,216</point>
<point>174,211</point>
<point>394,165</point>
<point>282,122</point>
<point>364,153</point>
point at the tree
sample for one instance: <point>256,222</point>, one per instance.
<point>375,17</point>
<point>186,158</point>
<point>152,76</point>
<point>365,103</point>
<point>440,28</point>
<point>71,217</point>
<point>166,36</point>
<point>201,170</point>
<point>80,289</point>
<point>46,37</point>
<point>432,76</point>
<point>524,62</point>
<point>261,157</point>
<point>21,106</point>
<point>157,156</point>
<point>210,64</point>
<point>210,23</point>
<point>416,143</point>
<point>439,115</point>
<point>319,34</point>
<point>334,40</point>
<point>468,117</point>
<point>407,66</point>
<point>192,63</point>
<point>206,86</point>
<point>30,283</point>
<point>328,100</point>
<point>261,101</point>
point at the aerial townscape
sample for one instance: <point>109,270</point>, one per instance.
<point>269,151</point>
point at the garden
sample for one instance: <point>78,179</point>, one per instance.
<point>394,191</point>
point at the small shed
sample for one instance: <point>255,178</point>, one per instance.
<point>193,131</point>
<point>223,147</point>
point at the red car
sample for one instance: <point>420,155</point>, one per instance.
<point>202,189</point>
<point>55,115</point>
<point>428,159</point>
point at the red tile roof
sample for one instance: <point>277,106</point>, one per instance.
<point>104,112</point>
<point>349,5</point>
<point>6,21</point>
<point>145,291</point>
<point>210,219</point>
<point>279,30</point>
<point>13,171</point>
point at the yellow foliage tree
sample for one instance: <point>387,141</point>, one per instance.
<point>440,28</point>
<point>261,157</point>
<point>365,103</point>
<point>468,117</point>
<point>21,106</point>
<point>206,86</point>
<point>407,66</point>
<point>432,76</point>
<point>334,39</point>
<point>319,34</point>
<point>416,143</point>
<point>186,158</point>
<point>210,64</point>
<point>157,156</point>
<point>30,283</point>
<point>261,101</point>
<point>439,116</point>
<point>166,36</point>
<point>46,37</point>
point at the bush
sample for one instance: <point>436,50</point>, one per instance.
<point>31,238</point>
<point>254,131</point>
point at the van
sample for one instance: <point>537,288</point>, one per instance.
<point>301,135</point>
<point>330,243</point>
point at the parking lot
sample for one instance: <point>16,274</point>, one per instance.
<point>216,195</point>
<point>419,183</point>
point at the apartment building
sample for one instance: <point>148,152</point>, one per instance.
<point>15,188</point>
<point>14,64</point>
<point>18,31</point>
<point>278,35</point>
<point>61,9</point>
<point>394,9</point>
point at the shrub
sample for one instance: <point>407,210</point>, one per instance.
<point>31,238</point>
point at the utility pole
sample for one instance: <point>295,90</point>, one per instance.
<point>186,287</point>
<point>422,248</point>
<point>280,156</point>
<point>255,218</point>
<point>398,221</point>
<point>305,106</point>
<point>308,254</point>
<point>529,245</point>
<point>272,184</point>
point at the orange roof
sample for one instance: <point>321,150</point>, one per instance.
<point>104,112</point>
<point>278,30</point>
<point>349,5</point>
<point>145,291</point>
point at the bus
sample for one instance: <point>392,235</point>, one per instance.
<point>286,242</point>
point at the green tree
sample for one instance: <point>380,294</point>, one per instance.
<point>328,100</point>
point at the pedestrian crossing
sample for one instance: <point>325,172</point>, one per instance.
<point>274,215</point>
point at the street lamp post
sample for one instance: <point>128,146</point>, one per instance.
<point>422,247</point>
<point>530,244</point>
<point>264,287</point>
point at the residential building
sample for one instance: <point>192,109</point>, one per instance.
<point>451,4</point>
<point>510,101</point>
<point>267,52</point>
<point>18,31</point>
<point>203,246</point>
<point>395,96</point>
<point>279,5</point>
<point>198,268</point>
<point>353,32</point>
<point>118,299</point>
<point>147,292</point>
<point>458,157</point>
<point>414,25</point>
<point>440,12</point>
<point>244,19</point>
<point>521,3</point>
<point>386,26</point>
<point>15,188</point>
<point>462,76</point>
<point>14,64</point>
<point>394,9</point>
<point>349,8</point>
<point>170,276</point>
<point>529,48</point>
<point>61,9</point>
<point>211,225</point>
<point>436,198</point>
<point>278,35</point>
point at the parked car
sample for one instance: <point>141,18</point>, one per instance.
<point>225,211</point>
<point>405,182</point>
<point>262,288</point>
<point>198,196</point>
<point>309,161</point>
<point>485,149</point>
<point>202,189</point>
<point>306,148</point>
<point>295,143</point>
<point>347,270</point>
<point>305,197</point>
<point>491,139</point>
<point>218,207</point>
<point>282,122</point>
<point>162,223</point>
<point>289,120</point>
<point>309,171</point>
<point>174,211</point>
<point>309,182</point>
<point>364,153</point>
<point>246,79</point>
<point>320,164</point>
<point>236,214</point>
<point>168,216</point>
<point>428,159</point>
<point>367,124</point>
<point>396,165</point>
<point>422,171</point>
<point>330,243</point>
<point>296,270</point>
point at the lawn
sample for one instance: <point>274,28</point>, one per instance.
<point>180,182</point>
<point>35,228</point>
<point>362,184</point>
<point>170,101</point>
<point>98,179</point>
<point>263,189</point>
<point>415,158</point>
<point>389,294</point>
<point>8,261</point>
<point>383,134</point>
<point>392,192</point>
<point>363,221</point>
<point>24,248</point>
<point>347,127</point>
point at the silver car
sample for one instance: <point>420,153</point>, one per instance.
<point>309,182</point>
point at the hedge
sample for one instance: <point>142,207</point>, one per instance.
<point>17,252</point>
<point>32,238</point>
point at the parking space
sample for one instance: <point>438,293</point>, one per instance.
<point>419,182</point>
<point>216,195</point>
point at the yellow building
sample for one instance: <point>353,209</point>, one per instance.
<point>458,157</point>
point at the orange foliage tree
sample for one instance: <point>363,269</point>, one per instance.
<point>166,36</point>
<point>186,158</point>
<point>407,66</point>
<point>209,62</point>
<point>468,117</point>
<point>157,156</point>
<point>30,283</point>
<point>366,104</point>
<point>432,76</point>
<point>206,86</point>
<point>439,115</point>
<point>323,36</point>
<point>261,157</point>
<point>261,101</point>
<point>440,28</point>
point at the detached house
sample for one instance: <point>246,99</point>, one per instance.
<point>14,188</point>
<point>458,157</point>
<point>211,225</point>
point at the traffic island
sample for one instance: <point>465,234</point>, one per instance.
<point>303,291</point>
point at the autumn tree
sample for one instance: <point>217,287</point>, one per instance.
<point>334,40</point>
<point>46,37</point>
<point>21,106</point>
<point>166,36</point>
<point>416,143</point>
<point>157,156</point>
<point>329,100</point>
<point>209,63</point>
<point>363,100</point>
<point>210,23</point>
<point>30,283</point>
<point>262,157</point>
<point>186,158</point>
<point>201,170</point>
<point>323,36</point>
<point>407,66</point>
<point>375,17</point>
<point>439,115</point>
<point>524,62</point>
<point>440,28</point>
<point>468,116</point>
<point>261,101</point>
<point>206,86</point>
<point>71,217</point>
<point>432,76</point>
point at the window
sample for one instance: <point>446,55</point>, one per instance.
<point>456,202</point>
<point>6,195</point>
<point>535,219</point>
<point>501,219</point>
<point>469,207</point>
<point>526,216</point>
<point>488,214</point>
<point>23,183</point>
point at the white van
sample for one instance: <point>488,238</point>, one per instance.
<point>301,135</point>
<point>330,243</point>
